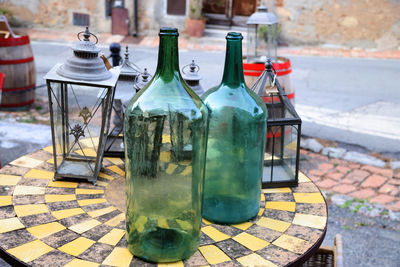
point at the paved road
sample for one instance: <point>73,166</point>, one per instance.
<point>343,99</point>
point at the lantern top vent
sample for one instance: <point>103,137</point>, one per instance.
<point>263,17</point>
<point>85,63</point>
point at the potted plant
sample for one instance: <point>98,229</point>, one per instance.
<point>195,23</point>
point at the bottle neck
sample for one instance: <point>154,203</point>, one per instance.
<point>168,60</point>
<point>233,70</point>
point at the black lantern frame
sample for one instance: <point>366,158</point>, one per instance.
<point>124,92</point>
<point>282,150</point>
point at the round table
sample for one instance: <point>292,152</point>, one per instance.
<point>43,222</point>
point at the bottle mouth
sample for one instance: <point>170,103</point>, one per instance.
<point>169,31</point>
<point>234,36</point>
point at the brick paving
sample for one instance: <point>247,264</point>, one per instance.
<point>205,43</point>
<point>377,185</point>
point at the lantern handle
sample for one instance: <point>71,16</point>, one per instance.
<point>270,66</point>
<point>193,67</point>
<point>86,35</point>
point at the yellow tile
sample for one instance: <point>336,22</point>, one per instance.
<point>166,138</point>
<point>24,190</point>
<point>10,224</point>
<point>187,171</point>
<point>99,212</point>
<point>255,260</point>
<point>117,170</point>
<point>84,226</point>
<point>101,183</point>
<point>31,209</point>
<point>162,223</point>
<point>48,149</point>
<point>262,197</point>
<point>83,191</point>
<point>63,184</point>
<point>47,229</point>
<point>106,176</point>
<point>87,152</point>
<point>77,246</point>
<point>260,212</point>
<point>243,226</point>
<point>276,225</point>
<point>165,156</point>
<point>313,221</point>
<point>303,179</point>
<point>113,237</point>
<point>27,162</point>
<point>116,220</point>
<point>308,198</point>
<point>119,257</point>
<point>213,255</point>
<point>51,161</point>
<point>61,214</point>
<point>206,221</point>
<point>85,202</point>
<point>88,142</point>
<point>281,205</point>
<point>58,198</point>
<point>40,174</point>
<point>80,263</point>
<point>277,190</point>
<point>30,251</point>
<point>171,168</point>
<point>5,201</point>
<point>116,161</point>
<point>251,242</point>
<point>6,179</point>
<point>291,243</point>
<point>171,264</point>
<point>214,233</point>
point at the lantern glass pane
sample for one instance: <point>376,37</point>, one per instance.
<point>281,152</point>
<point>251,43</point>
<point>78,116</point>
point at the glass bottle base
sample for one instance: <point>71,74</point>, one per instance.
<point>164,245</point>
<point>228,209</point>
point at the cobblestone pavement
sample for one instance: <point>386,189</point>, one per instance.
<point>206,43</point>
<point>366,185</point>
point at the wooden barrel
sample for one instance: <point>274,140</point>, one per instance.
<point>18,66</point>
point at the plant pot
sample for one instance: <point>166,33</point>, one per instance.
<point>195,27</point>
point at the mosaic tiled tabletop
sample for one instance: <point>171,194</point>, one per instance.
<point>46,223</point>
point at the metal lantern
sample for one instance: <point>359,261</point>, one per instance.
<point>142,79</point>
<point>190,73</point>
<point>80,99</point>
<point>124,91</point>
<point>262,36</point>
<point>281,158</point>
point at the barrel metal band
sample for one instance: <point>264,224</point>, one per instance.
<point>16,61</point>
<point>6,90</point>
<point>17,41</point>
<point>17,104</point>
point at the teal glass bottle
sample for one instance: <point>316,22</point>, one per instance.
<point>165,129</point>
<point>236,142</point>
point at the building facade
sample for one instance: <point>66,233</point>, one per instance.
<point>350,23</point>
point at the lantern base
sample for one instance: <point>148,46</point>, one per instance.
<point>76,170</point>
<point>279,177</point>
<point>114,146</point>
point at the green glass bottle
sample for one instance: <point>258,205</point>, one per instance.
<point>165,144</point>
<point>236,141</point>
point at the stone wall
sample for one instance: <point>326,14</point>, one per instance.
<point>152,15</point>
<point>59,14</point>
<point>351,23</point>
